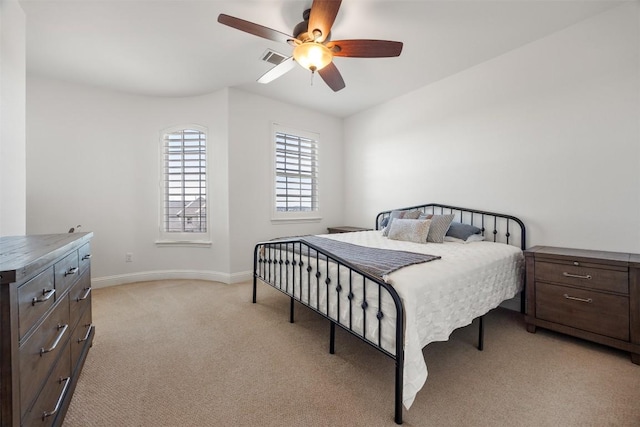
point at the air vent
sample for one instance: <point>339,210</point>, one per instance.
<point>272,57</point>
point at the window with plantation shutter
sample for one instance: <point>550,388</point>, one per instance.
<point>184,185</point>
<point>296,174</point>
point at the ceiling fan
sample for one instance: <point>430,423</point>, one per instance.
<point>313,47</point>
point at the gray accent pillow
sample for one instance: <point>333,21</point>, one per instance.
<point>410,230</point>
<point>462,231</point>
<point>394,215</point>
<point>439,226</point>
<point>414,214</point>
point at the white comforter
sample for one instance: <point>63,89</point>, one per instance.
<point>443,295</point>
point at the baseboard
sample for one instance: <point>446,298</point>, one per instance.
<point>243,276</point>
<point>146,276</point>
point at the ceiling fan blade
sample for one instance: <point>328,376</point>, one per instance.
<point>323,14</point>
<point>277,71</point>
<point>365,48</point>
<point>332,77</point>
<point>255,29</point>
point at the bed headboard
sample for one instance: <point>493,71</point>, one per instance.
<point>499,227</point>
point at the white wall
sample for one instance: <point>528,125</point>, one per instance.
<point>549,132</point>
<point>12,119</point>
<point>250,171</point>
<point>93,159</point>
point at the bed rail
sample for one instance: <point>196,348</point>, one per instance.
<point>325,283</point>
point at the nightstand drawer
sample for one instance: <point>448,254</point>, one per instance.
<point>591,311</point>
<point>584,276</point>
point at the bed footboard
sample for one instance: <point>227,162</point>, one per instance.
<point>359,303</point>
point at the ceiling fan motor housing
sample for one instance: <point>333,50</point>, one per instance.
<point>301,30</point>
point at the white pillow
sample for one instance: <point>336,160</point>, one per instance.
<point>410,230</point>
<point>472,238</point>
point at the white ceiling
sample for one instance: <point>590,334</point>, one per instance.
<point>177,48</point>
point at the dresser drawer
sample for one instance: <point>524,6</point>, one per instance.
<point>84,257</point>
<point>34,299</point>
<point>79,298</point>
<point>37,276</point>
<point>66,272</point>
<point>49,402</point>
<point>81,335</point>
<point>588,310</point>
<point>41,350</point>
<point>584,275</point>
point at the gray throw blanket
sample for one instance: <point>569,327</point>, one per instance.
<point>375,261</point>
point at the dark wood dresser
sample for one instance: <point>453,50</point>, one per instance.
<point>594,295</point>
<point>45,325</point>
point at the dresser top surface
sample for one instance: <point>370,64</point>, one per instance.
<point>19,253</point>
<point>579,254</point>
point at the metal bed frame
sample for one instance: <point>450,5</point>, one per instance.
<point>280,264</point>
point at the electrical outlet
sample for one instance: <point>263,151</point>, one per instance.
<point>128,257</point>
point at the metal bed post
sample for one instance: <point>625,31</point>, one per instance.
<point>332,338</point>
<point>255,273</point>
<point>481,334</point>
<point>399,361</point>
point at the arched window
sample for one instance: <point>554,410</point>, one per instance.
<point>183,216</point>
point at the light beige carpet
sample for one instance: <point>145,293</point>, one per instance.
<point>196,353</point>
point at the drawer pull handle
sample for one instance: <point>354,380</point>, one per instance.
<point>47,414</point>
<point>69,272</point>
<point>85,296</point>
<point>587,300</point>
<point>86,257</point>
<point>46,294</point>
<point>62,329</point>
<point>577,276</point>
<point>86,337</point>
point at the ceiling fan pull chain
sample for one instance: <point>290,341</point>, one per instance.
<point>313,72</point>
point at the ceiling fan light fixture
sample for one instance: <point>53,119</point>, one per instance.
<point>312,56</point>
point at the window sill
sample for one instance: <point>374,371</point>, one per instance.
<point>294,220</point>
<point>184,243</point>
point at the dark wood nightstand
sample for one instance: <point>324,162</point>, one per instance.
<point>345,229</point>
<point>593,295</point>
